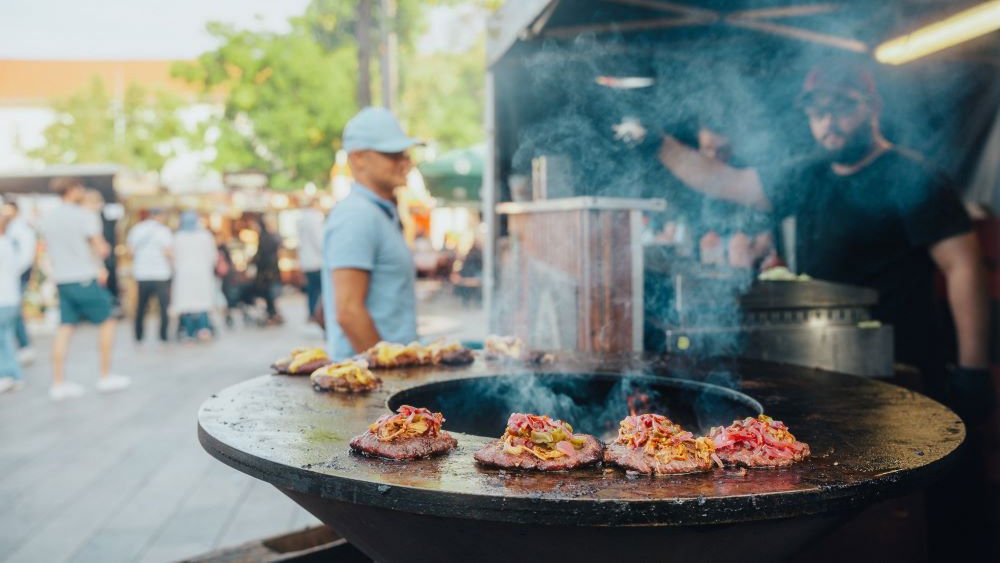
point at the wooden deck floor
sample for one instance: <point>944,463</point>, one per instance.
<point>122,477</point>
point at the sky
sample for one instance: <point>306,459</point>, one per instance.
<point>144,29</point>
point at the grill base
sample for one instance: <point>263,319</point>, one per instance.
<point>389,536</point>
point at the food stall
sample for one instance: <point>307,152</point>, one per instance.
<point>31,190</point>
<point>576,210</point>
<point>578,95</point>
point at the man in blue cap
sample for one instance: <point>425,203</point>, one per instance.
<point>368,271</point>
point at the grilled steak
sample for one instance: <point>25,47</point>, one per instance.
<point>493,455</point>
<point>302,361</point>
<point>404,448</point>
<point>345,377</point>
<point>391,355</point>
<point>410,434</point>
<point>635,459</point>
<point>458,357</point>
<point>653,444</point>
<point>512,349</point>
<point>757,442</point>
<point>542,443</point>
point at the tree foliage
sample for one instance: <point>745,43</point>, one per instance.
<point>139,129</point>
<point>442,97</point>
<point>286,101</point>
<point>287,96</point>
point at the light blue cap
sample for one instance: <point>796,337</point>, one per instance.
<point>376,129</point>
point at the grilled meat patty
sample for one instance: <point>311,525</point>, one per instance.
<point>493,455</point>
<point>404,448</point>
<point>635,459</point>
<point>329,383</point>
<point>461,357</point>
<point>282,367</point>
<point>757,442</point>
<point>751,457</point>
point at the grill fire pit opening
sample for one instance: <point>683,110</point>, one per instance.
<point>592,403</point>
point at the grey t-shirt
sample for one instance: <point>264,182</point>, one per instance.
<point>67,230</point>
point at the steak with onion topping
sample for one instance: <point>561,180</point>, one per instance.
<point>302,361</point>
<point>757,442</point>
<point>653,444</point>
<point>411,433</point>
<point>352,376</point>
<point>540,443</point>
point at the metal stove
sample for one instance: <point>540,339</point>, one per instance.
<point>813,324</point>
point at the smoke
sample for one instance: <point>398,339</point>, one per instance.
<point>592,403</point>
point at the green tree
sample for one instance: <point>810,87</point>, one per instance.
<point>289,95</point>
<point>442,96</point>
<point>139,129</point>
<point>286,101</point>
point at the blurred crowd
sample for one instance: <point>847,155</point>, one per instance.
<point>181,277</point>
<point>186,273</point>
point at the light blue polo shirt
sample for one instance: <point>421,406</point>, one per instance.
<point>363,232</point>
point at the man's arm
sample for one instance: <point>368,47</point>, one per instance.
<point>960,261</point>
<point>100,249</point>
<point>711,177</point>
<point>350,287</point>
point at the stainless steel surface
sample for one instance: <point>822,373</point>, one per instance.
<point>844,348</point>
<point>813,324</point>
<point>551,177</point>
<point>638,281</point>
<point>812,294</point>
<point>581,203</point>
<point>812,317</point>
<point>489,195</point>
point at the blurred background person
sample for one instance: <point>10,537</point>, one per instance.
<point>225,270</point>
<point>267,280</point>
<point>151,245</point>
<point>11,257</point>
<point>25,239</point>
<point>310,229</point>
<point>93,201</point>
<point>193,288</point>
<point>76,250</point>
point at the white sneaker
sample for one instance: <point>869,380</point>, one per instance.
<point>65,390</point>
<point>26,356</point>
<point>6,384</point>
<point>113,383</point>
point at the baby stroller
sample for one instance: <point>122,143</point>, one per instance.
<point>243,296</point>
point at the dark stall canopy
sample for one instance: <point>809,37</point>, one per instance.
<point>857,26</point>
<point>100,177</point>
<point>724,61</point>
<point>567,77</point>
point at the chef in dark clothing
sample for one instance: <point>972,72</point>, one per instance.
<point>872,214</point>
<point>867,213</point>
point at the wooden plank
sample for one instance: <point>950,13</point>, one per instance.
<point>255,516</point>
<point>122,477</point>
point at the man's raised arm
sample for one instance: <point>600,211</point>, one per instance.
<point>711,177</point>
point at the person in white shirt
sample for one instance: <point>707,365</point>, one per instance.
<point>26,241</point>
<point>311,252</point>
<point>195,256</point>
<point>151,244</point>
<point>76,250</point>
<point>11,258</point>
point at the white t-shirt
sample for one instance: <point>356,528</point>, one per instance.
<point>311,240</point>
<point>25,240</point>
<point>149,242</point>
<point>10,278</point>
<point>67,230</point>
